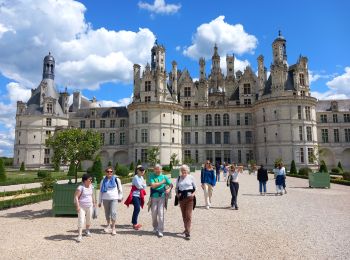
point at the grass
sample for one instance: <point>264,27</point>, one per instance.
<point>17,177</point>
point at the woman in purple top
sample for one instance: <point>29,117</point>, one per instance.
<point>84,200</point>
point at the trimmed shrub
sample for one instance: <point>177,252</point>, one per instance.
<point>305,171</point>
<point>25,201</point>
<point>167,168</point>
<point>340,166</point>
<point>293,168</point>
<point>122,170</point>
<point>139,162</point>
<point>22,168</point>
<point>71,170</point>
<point>132,167</point>
<point>43,174</point>
<point>80,168</point>
<point>48,182</point>
<point>96,170</point>
<point>109,164</point>
<point>171,165</point>
<point>346,176</point>
<point>323,166</point>
<point>3,176</point>
<point>336,170</point>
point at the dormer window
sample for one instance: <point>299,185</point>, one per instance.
<point>334,106</point>
<point>93,112</point>
<point>49,108</point>
<point>246,89</point>
<point>147,86</point>
<point>187,91</point>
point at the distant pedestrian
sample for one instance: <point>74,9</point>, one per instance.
<point>185,193</point>
<point>217,168</point>
<point>111,192</point>
<point>225,170</point>
<point>262,178</point>
<point>208,181</point>
<point>137,195</point>
<point>84,200</point>
<point>280,179</point>
<point>160,186</point>
<point>232,182</point>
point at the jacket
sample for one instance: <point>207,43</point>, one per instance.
<point>262,175</point>
<point>208,176</point>
<point>128,201</point>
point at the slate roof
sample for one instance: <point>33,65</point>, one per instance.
<point>325,105</point>
<point>102,112</point>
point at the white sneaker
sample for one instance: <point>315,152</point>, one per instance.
<point>79,238</point>
<point>114,232</point>
<point>160,234</point>
<point>207,207</point>
<point>87,233</point>
<point>232,208</point>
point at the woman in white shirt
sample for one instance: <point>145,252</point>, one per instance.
<point>185,193</point>
<point>232,182</point>
<point>111,191</point>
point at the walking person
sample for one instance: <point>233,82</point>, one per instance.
<point>280,179</point>
<point>111,192</point>
<point>232,182</point>
<point>185,193</point>
<point>160,186</point>
<point>137,195</point>
<point>217,168</point>
<point>225,170</point>
<point>208,181</point>
<point>84,200</point>
<point>262,178</point>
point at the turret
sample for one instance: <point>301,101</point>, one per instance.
<point>202,75</point>
<point>137,80</point>
<point>158,57</point>
<point>230,65</point>
<point>174,78</point>
<point>49,67</point>
<point>215,61</point>
<point>279,50</point>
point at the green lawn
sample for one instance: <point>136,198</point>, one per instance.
<point>17,177</point>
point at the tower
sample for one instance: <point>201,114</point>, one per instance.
<point>261,74</point>
<point>49,67</point>
<point>215,69</point>
<point>174,79</point>
<point>230,65</point>
<point>158,57</point>
<point>137,80</point>
<point>202,75</point>
<point>279,50</point>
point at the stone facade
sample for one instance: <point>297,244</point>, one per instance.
<point>237,117</point>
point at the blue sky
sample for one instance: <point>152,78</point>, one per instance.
<point>95,43</point>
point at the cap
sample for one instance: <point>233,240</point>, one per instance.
<point>140,167</point>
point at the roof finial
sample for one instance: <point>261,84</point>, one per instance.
<point>279,32</point>
<point>49,52</point>
<point>156,42</point>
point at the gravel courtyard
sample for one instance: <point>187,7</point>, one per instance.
<point>303,224</point>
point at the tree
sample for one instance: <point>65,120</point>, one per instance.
<point>71,146</point>
<point>278,161</point>
<point>323,166</point>
<point>340,166</point>
<point>293,168</point>
<point>109,164</point>
<point>3,176</point>
<point>132,167</point>
<point>139,162</point>
<point>22,168</point>
<point>152,155</point>
<point>174,160</point>
<point>96,169</point>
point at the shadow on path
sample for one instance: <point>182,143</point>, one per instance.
<point>61,237</point>
<point>258,195</point>
<point>29,214</point>
<point>149,233</point>
<point>211,207</point>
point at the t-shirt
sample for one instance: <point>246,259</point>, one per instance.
<point>139,183</point>
<point>111,193</point>
<point>85,199</point>
<point>159,178</point>
<point>186,184</point>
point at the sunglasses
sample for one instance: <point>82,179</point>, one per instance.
<point>89,179</point>
<point>109,171</point>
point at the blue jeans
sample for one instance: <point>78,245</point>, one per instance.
<point>137,206</point>
<point>262,185</point>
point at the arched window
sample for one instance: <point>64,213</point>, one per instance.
<point>212,103</point>
<point>301,80</point>
<point>226,120</point>
<point>219,103</point>
<point>208,121</point>
<point>217,120</point>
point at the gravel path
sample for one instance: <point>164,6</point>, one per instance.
<point>303,224</point>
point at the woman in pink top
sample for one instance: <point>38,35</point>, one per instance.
<point>84,200</point>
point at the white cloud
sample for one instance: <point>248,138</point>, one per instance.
<point>238,64</point>
<point>178,48</point>
<point>338,87</point>
<point>81,52</point>
<point>121,102</point>
<point>229,38</point>
<point>160,7</point>
<point>313,77</point>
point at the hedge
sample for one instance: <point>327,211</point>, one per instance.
<point>336,181</point>
<point>31,180</point>
<point>25,201</point>
<point>17,192</point>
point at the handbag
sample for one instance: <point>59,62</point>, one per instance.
<point>94,212</point>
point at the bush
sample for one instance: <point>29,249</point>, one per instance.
<point>340,166</point>
<point>342,182</point>
<point>25,201</point>
<point>132,167</point>
<point>109,164</point>
<point>293,168</point>
<point>305,171</point>
<point>96,170</point>
<point>323,166</point>
<point>346,176</point>
<point>3,176</point>
<point>47,184</point>
<point>43,174</point>
<point>336,170</point>
<point>167,168</point>
<point>122,171</point>
<point>56,167</point>
<point>139,162</point>
<point>22,168</point>
<point>71,170</point>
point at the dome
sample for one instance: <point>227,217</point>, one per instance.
<point>49,58</point>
